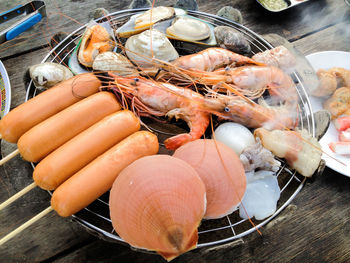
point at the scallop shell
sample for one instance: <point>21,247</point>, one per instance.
<point>115,62</point>
<point>48,74</point>
<point>221,171</point>
<point>139,48</point>
<point>157,203</point>
<point>188,29</point>
<point>96,39</point>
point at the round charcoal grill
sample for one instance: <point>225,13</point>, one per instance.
<point>211,232</point>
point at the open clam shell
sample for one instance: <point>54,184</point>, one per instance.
<point>48,74</point>
<point>148,47</point>
<point>157,203</point>
<point>96,39</point>
<point>130,28</point>
<point>188,29</point>
<point>115,62</point>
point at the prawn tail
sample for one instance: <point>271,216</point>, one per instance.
<point>175,142</point>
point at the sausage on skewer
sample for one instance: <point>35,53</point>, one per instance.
<point>14,124</point>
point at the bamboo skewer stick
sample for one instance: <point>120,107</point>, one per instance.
<point>18,195</point>
<point>25,225</point>
<point>9,157</point>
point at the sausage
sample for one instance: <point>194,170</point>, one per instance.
<point>68,159</point>
<point>14,124</point>
<point>50,134</point>
<point>98,176</point>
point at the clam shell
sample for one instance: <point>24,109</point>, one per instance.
<point>112,61</point>
<point>48,74</point>
<point>154,15</point>
<point>96,39</point>
<point>221,171</point>
<point>231,39</point>
<point>128,29</point>
<point>157,203</point>
<point>139,48</point>
<point>188,29</point>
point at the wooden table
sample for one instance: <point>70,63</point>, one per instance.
<point>315,227</point>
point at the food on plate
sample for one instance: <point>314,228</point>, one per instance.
<point>95,40</point>
<point>98,176</point>
<point>256,157</point>
<point>53,132</point>
<point>279,57</point>
<point>48,74</point>
<point>231,39</point>
<point>327,84</point>
<point>235,136</point>
<point>46,104</point>
<point>301,151</point>
<point>274,5</point>
<point>344,136</point>
<point>157,203</point>
<point>68,159</point>
<point>221,171</point>
<point>188,28</point>
<point>330,80</point>
<point>115,62</point>
<point>261,196</point>
<point>150,47</point>
<point>339,103</point>
<point>213,58</point>
<point>342,123</point>
<point>342,148</point>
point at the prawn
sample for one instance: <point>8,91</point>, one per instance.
<point>251,81</point>
<point>165,99</point>
<point>254,115</point>
<point>213,58</point>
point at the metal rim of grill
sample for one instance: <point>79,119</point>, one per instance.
<point>95,218</point>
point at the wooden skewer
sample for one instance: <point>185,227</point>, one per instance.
<point>9,157</point>
<point>25,225</point>
<point>18,195</point>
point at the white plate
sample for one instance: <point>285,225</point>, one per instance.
<point>5,91</point>
<point>326,60</point>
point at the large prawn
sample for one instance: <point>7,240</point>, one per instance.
<point>213,58</point>
<point>164,99</point>
<point>251,81</point>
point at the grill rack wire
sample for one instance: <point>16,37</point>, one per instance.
<point>95,218</point>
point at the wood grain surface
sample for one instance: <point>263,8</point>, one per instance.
<point>315,227</point>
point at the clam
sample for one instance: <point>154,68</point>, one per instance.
<point>222,172</point>
<point>143,48</point>
<point>188,29</point>
<point>48,74</point>
<point>115,62</point>
<point>154,15</point>
<point>157,203</point>
<point>137,23</point>
<point>231,39</point>
<point>96,39</point>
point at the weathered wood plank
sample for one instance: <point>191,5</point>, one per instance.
<point>327,39</point>
<point>293,23</point>
<point>315,227</point>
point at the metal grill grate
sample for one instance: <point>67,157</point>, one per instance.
<point>211,232</point>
